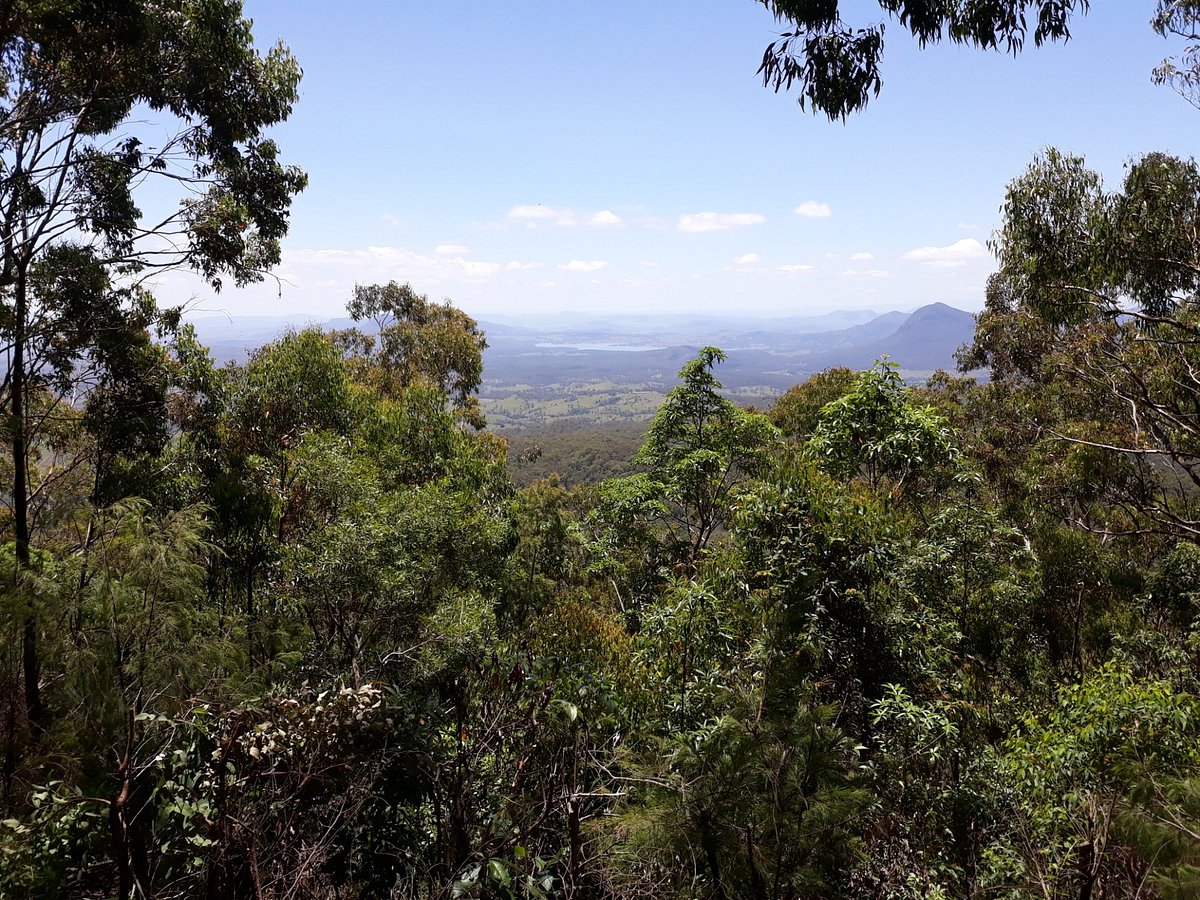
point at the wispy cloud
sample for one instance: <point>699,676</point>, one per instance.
<point>865,273</point>
<point>951,256</point>
<point>531,212</point>
<point>862,257</point>
<point>452,250</point>
<point>346,267</point>
<point>814,209</point>
<point>606,218</point>
<point>692,223</point>
<point>751,263</point>
<point>534,215</point>
<point>582,265</point>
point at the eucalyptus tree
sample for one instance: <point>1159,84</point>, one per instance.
<point>416,341</point>
<point>836,65</point>
<point>80,82</point>
<point>1094,315</point>
<point>1180,18</point>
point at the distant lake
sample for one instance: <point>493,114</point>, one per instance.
<point>618,348</point>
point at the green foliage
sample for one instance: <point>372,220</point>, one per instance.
<point>545,542</point>
<point>875,430</point>
<point>699,450</point>
<point>1175,587</point>
<point>1093,310</point>
<point>577,455</point>
<point>78,72</point>
<point>744,808</point>
<point>797,413</point>
<point>940,643</point>
<point>295,385</point>
<point>837,66</point>
<point>1067,777</point>
<point>417,341</point>
<point>1179,18</point>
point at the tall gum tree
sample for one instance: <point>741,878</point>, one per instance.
<point>77,81</point>
<point>1096,303</point>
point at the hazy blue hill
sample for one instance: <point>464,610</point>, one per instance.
<point>926,341</point>
<point>678,327</point>
<point>498,328</point>
<point>232,338</point>
<point>875,329</point>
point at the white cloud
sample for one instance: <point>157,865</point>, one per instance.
<point>535,215</point>
<point>711,221</point>
<point>606,218</point>
<point>862,257</point>
<point>957,254</point>
<point>518,266</point>
<point>452,250</point>
<point>813,209</point>
<point>478,269</point>
<point>341,269</point>
<point>749,263</point>
<point>865,273</point>
<point>527,213</point>
<point>581,265</point>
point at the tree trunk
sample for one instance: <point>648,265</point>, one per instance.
<point>708,844</point>
<point>31,668</point>
<point>119,832</point>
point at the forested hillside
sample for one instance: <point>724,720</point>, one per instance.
<point>290,629</point>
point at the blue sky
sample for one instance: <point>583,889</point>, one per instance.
<point>540,155</point>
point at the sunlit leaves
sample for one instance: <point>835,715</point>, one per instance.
<point>875,429</point>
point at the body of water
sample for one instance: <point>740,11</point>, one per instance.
<point>617,348</point>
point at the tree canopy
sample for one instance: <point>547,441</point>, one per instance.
<point>75,162</point>
<point>836,64</point>
<point>287,628</point>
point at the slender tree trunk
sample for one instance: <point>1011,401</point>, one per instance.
<point>708,844</point>
<point>10,741</point>
<point>84,574</point>
<point>1087,871</point>
<point>758,886</point>
<point>30,659</point>
<point>574,834</point>
<point>119,832</point>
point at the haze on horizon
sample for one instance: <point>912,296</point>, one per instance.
<point>543,157</point>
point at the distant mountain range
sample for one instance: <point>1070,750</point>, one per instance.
<point>553,355</point>
<point>694,326</point>
<point>772,354</point>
